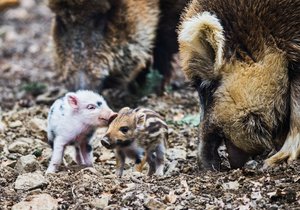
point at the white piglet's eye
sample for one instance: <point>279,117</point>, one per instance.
<point>91,106</point>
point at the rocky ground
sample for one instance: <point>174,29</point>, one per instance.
<point>25,81</point>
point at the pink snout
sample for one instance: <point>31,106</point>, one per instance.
<point>107,116</point>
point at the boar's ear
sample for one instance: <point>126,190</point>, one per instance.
<point>124,110</point>
<point>201,42</point>
<point>73,100</point>
<point>140,120</point>
<point>112,117</point>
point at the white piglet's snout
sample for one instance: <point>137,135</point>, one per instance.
<point>106,116</point>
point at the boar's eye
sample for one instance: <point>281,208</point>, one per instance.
<point>124,129</point>
<point>99,103</point>
<point>91,106</point>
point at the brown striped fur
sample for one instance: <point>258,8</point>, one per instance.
<point>243,57</point>
<point>139,134</point>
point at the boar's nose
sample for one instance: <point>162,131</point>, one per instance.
<point>106,143</point>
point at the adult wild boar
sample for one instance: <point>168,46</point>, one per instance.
<point>243,57</point>
<point>110,42</point>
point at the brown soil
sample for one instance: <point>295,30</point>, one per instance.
<point>25,58</point>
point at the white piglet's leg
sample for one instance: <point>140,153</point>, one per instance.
<point>79,158</point>
<point>57,154</point>
<point>87,154</point>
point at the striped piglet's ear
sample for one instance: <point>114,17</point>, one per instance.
<point>124,110</point>
<point>140,120</point>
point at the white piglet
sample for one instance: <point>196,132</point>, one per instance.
<point>72,120</point>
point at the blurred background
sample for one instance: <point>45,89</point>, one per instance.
<point>25,55</point>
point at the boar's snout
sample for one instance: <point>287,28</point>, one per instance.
<point>105,141</point>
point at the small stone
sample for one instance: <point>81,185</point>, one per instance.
<point>251,164</point>
<point>14,156</point>
<point>140,196</point>
<point>38,125</point>
<point>26,140</point>
<point>90,169</point>
<point>46,155</point>
<point>136,174</point>
<point>231,185</point>
<point>19,147</point>
<point>2,145</point>
<point>171,198</point>
<point>2,127</point>
<point>37,202</point>
<point>175,153</point>
<point>106,155</point>
<point>172,167</point>
<point>256,195</point>
<point>113,207</point>
<point>69,156</point>
<point>273,207</point>
<point>101,202</point>
<point>30,181</point>
<point>15,124</point>
<point>27,164</point>
<point>152,203</point>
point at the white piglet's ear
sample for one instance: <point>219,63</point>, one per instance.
<point>140,120</point>
<point>73,100</point>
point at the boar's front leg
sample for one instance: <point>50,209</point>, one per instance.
<point>150,158</point>
<point>291,148</point>
<point>57,154</point>
<point>209,142</point>
<point>120,158</point>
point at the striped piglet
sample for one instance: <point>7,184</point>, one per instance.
<point>139,134</point>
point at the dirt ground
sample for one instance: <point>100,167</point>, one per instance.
<point>25,78</point>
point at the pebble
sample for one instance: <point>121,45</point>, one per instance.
<point>106,155</point>
<point>29,181</point>
<point>176,153</point>
<point>172,167</point>
<point>38,125</point>
<point>152,203</point>
<point>2,145</point>
<point>2,127</point>
<point>37,202</point>
<point>231,185</point>
<point>19,147</point>
<point>101,202</point>
<point>251,164</point>
<point>15,124</point>
<point>27,164</point>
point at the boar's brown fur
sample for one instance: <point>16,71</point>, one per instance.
<point>243,57</point>
<point>110,42</point>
